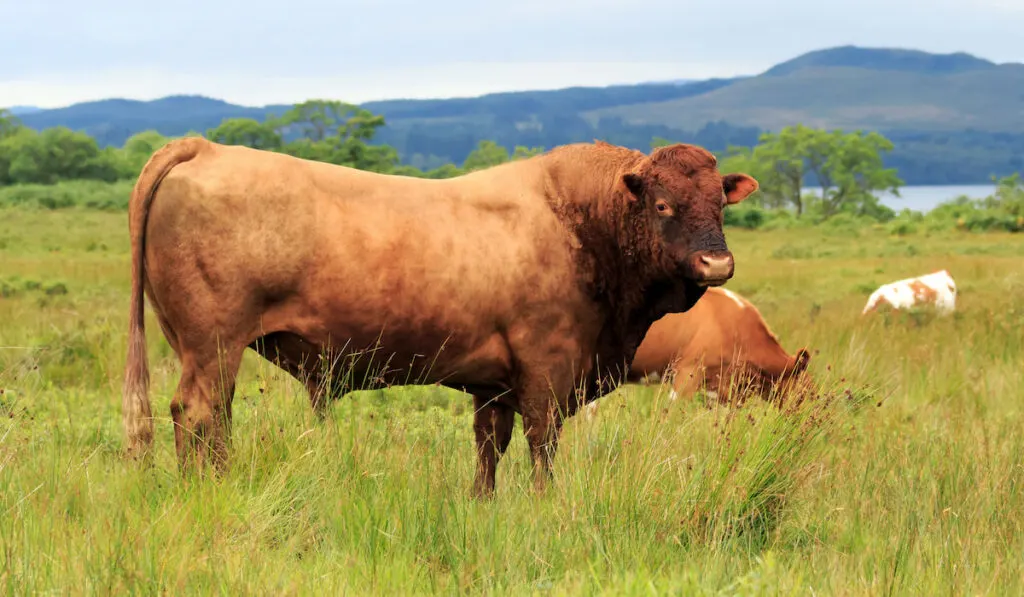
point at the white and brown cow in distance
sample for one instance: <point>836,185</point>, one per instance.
<point>520,284</point>
<point>936,289</point>
<point>724,346</point>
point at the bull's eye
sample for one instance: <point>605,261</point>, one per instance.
<point>662,207</point>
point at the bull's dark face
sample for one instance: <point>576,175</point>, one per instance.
<point>680,192</point>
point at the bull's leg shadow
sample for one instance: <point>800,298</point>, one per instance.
<point>336,376</point>
<point>324,390</point>
<point>314,367</point>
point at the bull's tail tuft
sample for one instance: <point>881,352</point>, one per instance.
<point>136,414</point>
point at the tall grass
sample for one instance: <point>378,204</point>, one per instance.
<point>905,479</point>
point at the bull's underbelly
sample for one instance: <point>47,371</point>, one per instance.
<point>368,356</point>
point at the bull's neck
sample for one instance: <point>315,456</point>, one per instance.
<point>616,256</point>
<point>616,252</point>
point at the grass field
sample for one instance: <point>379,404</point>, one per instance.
<point>909,483</point>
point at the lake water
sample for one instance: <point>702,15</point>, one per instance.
<point>923,198</point>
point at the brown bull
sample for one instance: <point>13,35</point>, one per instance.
<point>724,346</point>
<point>519,284</point>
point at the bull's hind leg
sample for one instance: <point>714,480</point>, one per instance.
<point>201,407</point>
<point>492,424</point>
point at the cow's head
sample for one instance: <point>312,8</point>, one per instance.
<point>796,384</point>
<point>792,385</point>
<point>679,190</point>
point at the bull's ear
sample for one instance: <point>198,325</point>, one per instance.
<point>738,187</point>
<point>635,184</point>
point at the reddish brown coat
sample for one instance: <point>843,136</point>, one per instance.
<point>722,345</point>
<point>518,284</point>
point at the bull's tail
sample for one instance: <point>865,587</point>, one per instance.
<point>136,414</point>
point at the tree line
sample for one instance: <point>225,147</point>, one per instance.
<point>327,131</point>
<point>847,166</point>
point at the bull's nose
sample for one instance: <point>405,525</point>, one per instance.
<point>712,269</point>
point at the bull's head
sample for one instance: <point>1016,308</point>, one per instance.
<point>679,190</point>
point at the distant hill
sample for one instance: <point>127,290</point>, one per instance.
<point>883,59</point>
<point>426,133</point>
<point>112,121</point>
<point>19,110</point>
<point>672,82</point>
<point>850,96</point>
<point>955,118</point>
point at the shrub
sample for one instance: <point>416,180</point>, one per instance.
<point>846,223</point>
<point>1001,211</point>
<point>904,225</point>
<point>91,194</point>
<point>745,216</point>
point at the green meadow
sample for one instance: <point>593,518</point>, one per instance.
<point>906,477</point>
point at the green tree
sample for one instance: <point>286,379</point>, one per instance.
<point>771,185</point>
<point>355,153</point>
<point>847,166</point>
<point>443,171</point>
<point>145,143</point>
<point>9,123</point>
<point>56,154</point>
<point>522,152</point>
<point>1008,196</point>
<point>246,131</point>
<point>10,126</point>
<point>138,148</point>
<point>487,154</point>
<point>337,133</point>
<point>317,120</point>
<point>778,159</point>
<point>12,145</point>
<point>407,170</point>
<point>657,142</point>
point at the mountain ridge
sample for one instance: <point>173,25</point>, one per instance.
<point>851,97</point>
<point>893,59</point>
<point>19,110</point>
<point>955,115</point>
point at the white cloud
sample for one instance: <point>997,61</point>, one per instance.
<point>257,51</point>
<point>1007,5</point>
<point>442,80</point>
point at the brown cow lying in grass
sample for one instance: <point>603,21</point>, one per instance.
<point>528,285</point>
<point>724,346</point>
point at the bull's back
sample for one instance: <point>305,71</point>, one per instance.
<point>278,209</point>
<point>360,255</point>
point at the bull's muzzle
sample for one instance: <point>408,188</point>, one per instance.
<point>711,268</point>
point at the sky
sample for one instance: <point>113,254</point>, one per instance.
<point>258,52</point>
